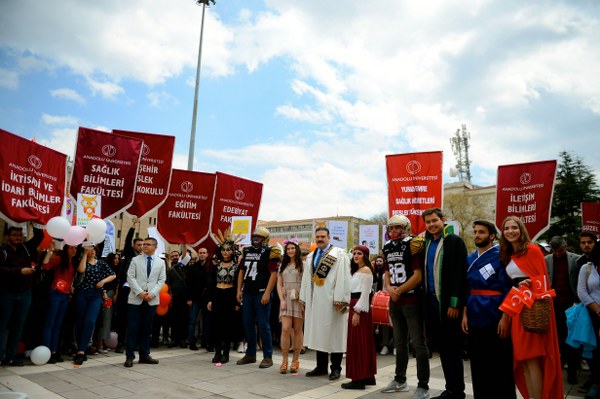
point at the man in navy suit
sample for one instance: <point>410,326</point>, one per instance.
<point>146,276</point>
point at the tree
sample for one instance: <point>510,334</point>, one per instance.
<point>575,183</point>
<point>380,218</point>
<point>465,209</point>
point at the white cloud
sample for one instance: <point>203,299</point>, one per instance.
<point>161,99</point>
<point>57,120</point>
<point>9,79</point>
<point>62,140</point>
<point>108,90</point>
<point>68,94</point>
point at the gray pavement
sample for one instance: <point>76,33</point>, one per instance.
<point>186,374</point>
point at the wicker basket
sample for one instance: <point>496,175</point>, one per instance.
<point>537,318</point>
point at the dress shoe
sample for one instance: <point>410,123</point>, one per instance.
<point>370,381</point>
<point>246,360</point>
<point>316,372</point>
<point>354,385</point>
<point>193,347</point>
<point>148,360</point>
<point>128,362</point>
<point>334,375</point>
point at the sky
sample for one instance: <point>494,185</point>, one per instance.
<point>308,97</point>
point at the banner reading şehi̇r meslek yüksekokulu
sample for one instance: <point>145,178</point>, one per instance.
<point>590,217</point>
<point>154,173</point>
<point>184,218</point>
<point>525,190</point>
<point>33,180</point>
<point>414,185</point>
<point>234,196</point>
<point>106,166</point>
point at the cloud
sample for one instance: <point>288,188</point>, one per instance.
<point>9,79</point>
<point>108,90</point>
<point>162,99</point>
<point>62,140</point>
<point>55,120</point>
<point>68,94</point>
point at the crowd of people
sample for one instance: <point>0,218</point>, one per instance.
<point>440,299</point>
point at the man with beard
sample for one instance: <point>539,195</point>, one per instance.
<point>256,280</point>
<point>486,326</point>
<point>325,294</point>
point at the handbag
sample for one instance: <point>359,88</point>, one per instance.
<point>536,319</point>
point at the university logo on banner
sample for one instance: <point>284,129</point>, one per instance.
<point>184,218</point>
<point>33,180</point>
<point>525,190</point>
<point>414,185</point>
<point>234,196</point>
<point>590,217</point>
<point>154,173</point>
<point>106,166</point>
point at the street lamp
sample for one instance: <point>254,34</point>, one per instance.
<point>204,3</point>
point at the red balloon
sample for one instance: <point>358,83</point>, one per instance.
<point>162,310</point>
<point>164,288</point>
<point>165,299</point>
<point>21,348</point>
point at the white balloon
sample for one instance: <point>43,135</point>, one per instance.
<point>58,227</point>
<point>75,235</point>
<point>40,355</point>
<point>96,239</point>
<point>96,227</point>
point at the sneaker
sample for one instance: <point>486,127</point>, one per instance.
<point>242,347</point>
<point>394,351</point>
<point>266,363</point>
<point>421,393</point>
<point>395,386</point>
<point>384,351</point>
<point>246,360</point>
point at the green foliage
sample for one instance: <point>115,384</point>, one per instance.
<point>575,183</point>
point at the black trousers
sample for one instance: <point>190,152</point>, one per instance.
<point>323,361</point>
<point>491,364</point>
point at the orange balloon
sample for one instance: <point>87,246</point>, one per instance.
<point>165,288</point>
<point>162,310</point>
<point>313,246</point>
<point>165,299</point>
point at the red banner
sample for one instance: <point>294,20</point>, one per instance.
<point>184,217</point>
<point>154,173</point>
<point>106,165</point>
<point>234,196</point>
<point>525,190</point>
<point>414,185</point>
<point>590,217</point>
<point>33,179</point>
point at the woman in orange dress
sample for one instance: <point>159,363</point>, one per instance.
<point>536,358</point>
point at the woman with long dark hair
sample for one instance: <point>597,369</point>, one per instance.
<point>536,358</point>
<point>222,300</point>
<point>361,363</point>
<point>109,292</point>
<point>291,312</point>
<point>88,298</point>
<point>63,264</point>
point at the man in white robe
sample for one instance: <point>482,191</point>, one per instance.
<point>325,293</point>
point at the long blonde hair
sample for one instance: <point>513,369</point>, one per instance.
<point>506,248</point>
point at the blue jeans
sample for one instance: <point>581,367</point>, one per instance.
<point>87,308</point>
<point>14,308</point>
<point>54,318</point>
<point>254,313</point>
<point>139,324</point>
<point>193,318</point>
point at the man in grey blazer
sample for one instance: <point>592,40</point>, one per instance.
<point>146,276</point>
<point>564,272</point>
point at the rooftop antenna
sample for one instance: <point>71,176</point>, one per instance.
<point>460,147</point>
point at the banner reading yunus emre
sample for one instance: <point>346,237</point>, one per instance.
<point>414,185</point>
<point>33,179</point>
<point>106,165</point>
